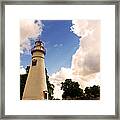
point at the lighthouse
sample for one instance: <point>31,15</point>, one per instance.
<point>36,87</point>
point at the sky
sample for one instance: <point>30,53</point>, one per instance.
<point>60,44</point>
<point>72,49</point>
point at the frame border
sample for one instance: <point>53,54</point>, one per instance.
<point>62,2</point>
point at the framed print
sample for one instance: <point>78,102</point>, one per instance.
<point>60,59</point>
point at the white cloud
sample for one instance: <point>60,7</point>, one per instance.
<point>85,64</point>
<point>66,73</point>
<point>58,45</point>
<point>22,70</point>
<point>61,45</point>
<point>29,29</point>
<point>57,78</point>
<point>86,60</point>
<point>87,80</point>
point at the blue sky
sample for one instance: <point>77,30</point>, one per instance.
<point>60,44</point>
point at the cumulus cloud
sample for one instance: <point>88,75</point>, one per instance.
<point>86,60</point>
<point>22,70</point>
<point>29,29</point>
<point>66,73</point>
<point>85,64</point>
<point>57,78</point>
<point>61,75</point>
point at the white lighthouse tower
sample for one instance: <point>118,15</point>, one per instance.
<point>36,87</point>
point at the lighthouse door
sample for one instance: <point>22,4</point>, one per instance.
<point>45,94</point>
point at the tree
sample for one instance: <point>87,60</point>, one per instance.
<point>92,93</point>
<point>50,87</point>
<point>23,79</point>
<point>27,69</point>
<point>71,90</point>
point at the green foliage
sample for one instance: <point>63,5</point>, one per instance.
<point>27,69</point>
<point>92,93</point>
<point>72,91</point>
<point>50,87</point>
<point>23,79</point>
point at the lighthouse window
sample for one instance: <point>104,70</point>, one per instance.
<point>34,62</point>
